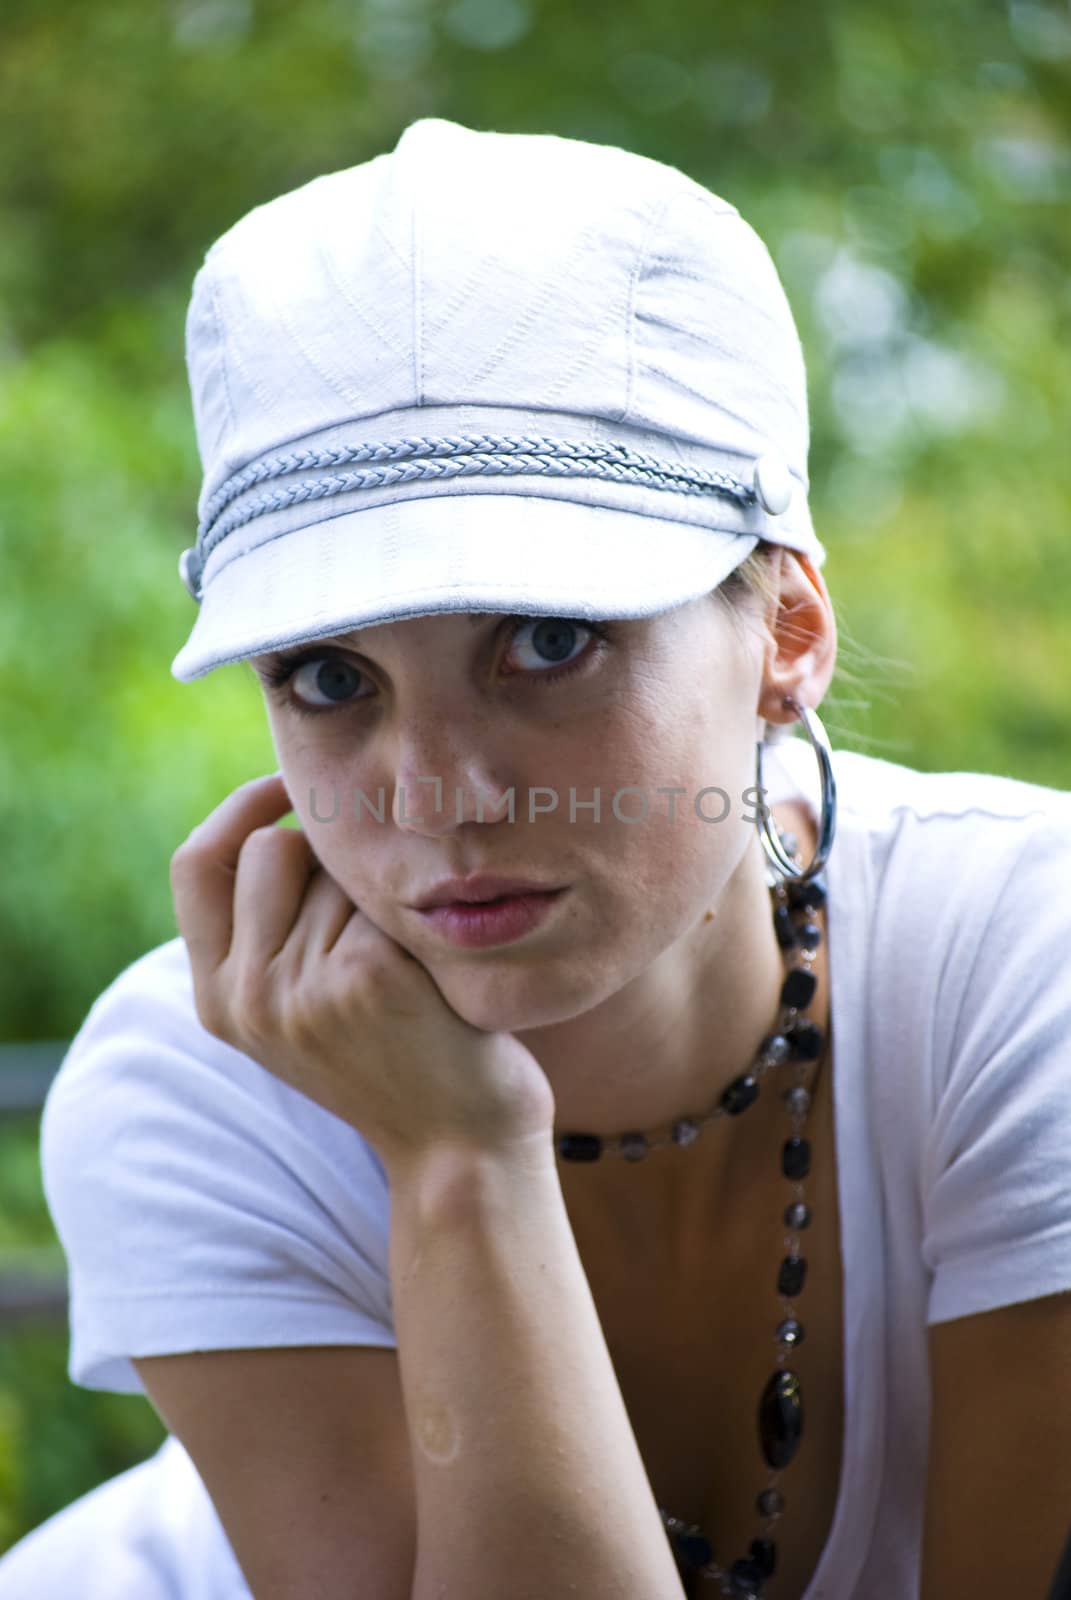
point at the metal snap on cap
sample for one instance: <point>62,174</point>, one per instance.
<point>773,484</point>
<point>188,572</point>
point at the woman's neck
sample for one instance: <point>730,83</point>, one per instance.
<point>650,1056</point>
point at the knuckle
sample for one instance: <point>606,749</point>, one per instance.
<point>373,971</point>
<point>183,859</point>
<point>260,838</point>
<point>212,1014</point>
<point>302,1030</point>
<point>247,1001</point>
<point>274,840</point>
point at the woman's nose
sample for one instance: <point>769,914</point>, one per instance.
<point>439,785</point>
<point>439,808</point>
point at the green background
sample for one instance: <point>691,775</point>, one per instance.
<point>910,170</point>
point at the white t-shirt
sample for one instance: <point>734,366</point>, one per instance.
<point>204,1204</point>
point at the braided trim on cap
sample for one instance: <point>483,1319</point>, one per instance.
<point>436,457</point>
<point>446,457</point>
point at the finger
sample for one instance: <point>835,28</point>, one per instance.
<point>273,872</point>
<point>326,911</point>
<point>203,867</point>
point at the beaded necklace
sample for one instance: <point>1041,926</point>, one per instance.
<point>795,1040</point>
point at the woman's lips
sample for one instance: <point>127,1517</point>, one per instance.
<point>489,922</point>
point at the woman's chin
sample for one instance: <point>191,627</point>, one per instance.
<point>494,1005</point>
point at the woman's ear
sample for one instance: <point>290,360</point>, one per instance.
<point>801,648</point>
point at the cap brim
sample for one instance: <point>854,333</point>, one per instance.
<point>457,552</point>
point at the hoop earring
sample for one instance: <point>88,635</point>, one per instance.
<point>768,833</point>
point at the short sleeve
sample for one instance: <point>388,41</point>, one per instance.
<point>201,1202</point>
<point>997,1161</point>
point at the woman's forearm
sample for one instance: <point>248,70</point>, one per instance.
<point>529,1481</point>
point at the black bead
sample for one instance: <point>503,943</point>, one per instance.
<point>745,1578</point>
<point>810,935</point>
<point>784,927</point>
<point>770,1503</point>
<point>764,1555</point>
<point>579,1146</point>
<point>796,1158</point>
<point>791,1277</point>
<point>806,1040</point>
<point>740,1094</point>
<point>810,896</point>
<point>781,1418</point>
<point>634,1146</point>
<point>798,988</point>
<point>797,1215</point>
<point>694,1549</point>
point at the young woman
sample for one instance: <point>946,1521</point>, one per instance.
<point>608,1148</point>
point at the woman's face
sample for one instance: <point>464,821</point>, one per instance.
<point>550,709</point>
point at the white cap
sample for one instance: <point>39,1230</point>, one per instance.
<point>485,372</point>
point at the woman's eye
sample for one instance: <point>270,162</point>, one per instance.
<point>327,676</point>
<point>543,649</point>
<point>550,642</point>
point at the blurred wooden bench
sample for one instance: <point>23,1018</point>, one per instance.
<point>29,1293</point>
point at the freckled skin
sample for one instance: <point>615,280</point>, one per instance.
<point>632,997</point>
<point>670,706</point>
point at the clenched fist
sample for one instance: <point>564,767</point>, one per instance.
<point>288,970</point>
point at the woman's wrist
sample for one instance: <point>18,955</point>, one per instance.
<point>459,1181</point>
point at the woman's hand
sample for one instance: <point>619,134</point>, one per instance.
<point>288,970</point>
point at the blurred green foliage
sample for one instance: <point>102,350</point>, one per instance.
<point>910,169</point>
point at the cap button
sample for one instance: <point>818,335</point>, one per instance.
<point>189,571</point>
<point>773,484</point>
